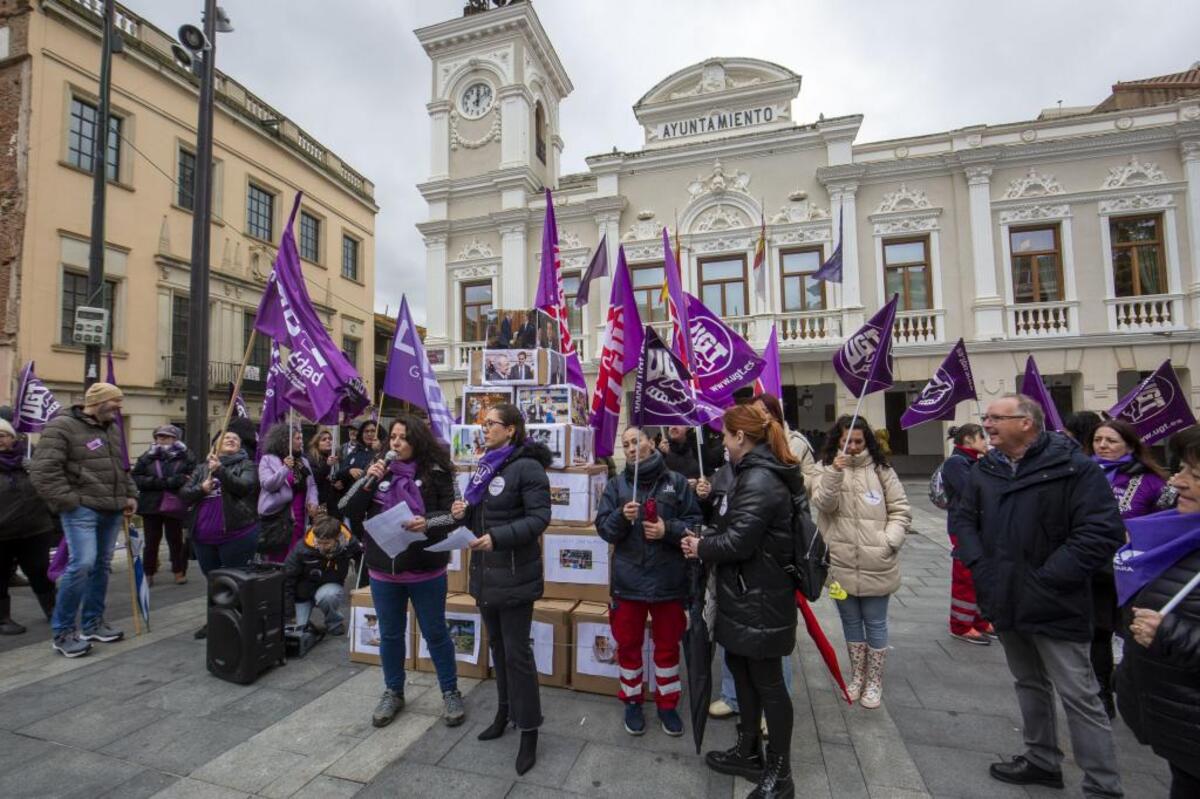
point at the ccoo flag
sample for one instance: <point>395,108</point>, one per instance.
<point>722,361</point>
<point>951,384</point>
<point>1157,407</point>
<point>864,363</point>
<point>410,376</point>
<point>1033,387</point>
<point>662,394</point>
<point>769,381</point>
<point>618,357</point>
<point>35,405</point>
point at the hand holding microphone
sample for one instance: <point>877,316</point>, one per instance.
<point>377,470</point>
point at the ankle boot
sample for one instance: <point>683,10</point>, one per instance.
<point>776,782</point>
<point>744,759</point>
<point>7,625</point>
<point>527,755</point>
<point>46,600</point>
<point>497,726</point>
<point>858,669</point>
<point>872,693</point>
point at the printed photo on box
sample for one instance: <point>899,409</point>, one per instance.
<point>476,402</point>
<point>519,330</point>
<point>557,368</point>
<point>464,631</point>
<point>554,438</point>
<point>366,631</point>
<point>553,404</point>
<point>466,443</point>
<point>595,650</point>
<point>575,559</point>
<point>542,635</point>
<point>560,495</point>
<point>582,445</point>
<point>510,367</point>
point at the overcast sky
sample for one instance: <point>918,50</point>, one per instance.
<point>353,75</point>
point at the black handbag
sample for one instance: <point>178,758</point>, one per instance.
<point>275,530</point>
<point>809,568</point>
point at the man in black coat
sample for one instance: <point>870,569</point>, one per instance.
<point>1035,521</point>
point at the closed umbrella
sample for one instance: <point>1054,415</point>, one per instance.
<point>698,652</point>
<point>823,646</point>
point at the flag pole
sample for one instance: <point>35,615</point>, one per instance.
<point>237,389</point>
<point>1179,597</point>
<point>133,598</point>
<point>854,418</point>
<point>700,448</point>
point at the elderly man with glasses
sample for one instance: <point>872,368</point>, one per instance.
<point>1036,520</point>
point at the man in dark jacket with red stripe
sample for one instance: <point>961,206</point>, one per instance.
<point>1035,521</point>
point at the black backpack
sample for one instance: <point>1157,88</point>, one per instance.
<point>810,555</point>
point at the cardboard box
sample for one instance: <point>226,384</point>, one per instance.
<point>456,572</point>
<point>547,367</point>
<point>575,564</point>
<point>364,631</point>
<point>583,446</point>
<point>594,666</point>
<point>559,404</point>
<point>575,494</point>
<point>469,637</point>
<point>556,438</point>
<point>552,641</point>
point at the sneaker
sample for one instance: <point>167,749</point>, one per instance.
<point>721,710</point>
<point>391,703</point>
<point>972,637</point>
<point>671,723</point>
<point>103,632</point>
<point>69,645</point>
<point>455,711</point>
<point>180,578</point>
<point>635,722</point>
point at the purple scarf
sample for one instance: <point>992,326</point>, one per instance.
<point>400,485</point>
<point>10,460</point>
<point>492,460</point>
<point>1156,543</point>
<point>1112,468</point>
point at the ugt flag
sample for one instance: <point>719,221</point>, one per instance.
<point>239,403</point>
<point>325,378</point>
<point>1156,543</point>
<point>1157,407</point>
<point>410,376</point>
<point>769,381</point>
<point>550,297</point>
<point>864,363</point>
<point>662,394</point>
<point>618,357</point>
<point>722,361</point>
<point>1033,387</point>
<point>951,384</point>
<point>35,405</point>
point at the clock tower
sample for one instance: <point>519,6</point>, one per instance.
<point>493,112</point>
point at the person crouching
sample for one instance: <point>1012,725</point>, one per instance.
<point>649,574</point>
<point>316,570</point>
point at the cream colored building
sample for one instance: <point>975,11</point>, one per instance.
<point>51,50</point>
<point>1073,235</point>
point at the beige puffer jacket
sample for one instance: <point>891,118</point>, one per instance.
<point>802,451</point>
<point>863,514</point>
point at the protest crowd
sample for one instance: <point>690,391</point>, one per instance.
<point>724,525</point>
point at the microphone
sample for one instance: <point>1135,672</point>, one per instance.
<point>365,482</point>
<point>371,481</point>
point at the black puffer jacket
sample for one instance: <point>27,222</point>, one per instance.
<point>175,465</point>
<point>1158,689</point>
<point>23,514</point>
<point>239,490</point>
<point>515,516</point>
<point>1033,539</point>
<point>438,495</point>
<point>307,568</point>
<point>643,570</point>
<point>756,598</point>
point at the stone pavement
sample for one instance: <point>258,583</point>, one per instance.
<point>143,718</point>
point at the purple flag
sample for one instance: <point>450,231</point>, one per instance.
<point>275,403</point>
<point>325,378</point>
<point>1033,387</point>
<point>597,267</point>
<point>622,341</point>
<point>831,269</point>
<point>677,306</point>
<point>864,363</point>
<point>722,361</point>
<point>1157,407</point>
<point>1156,543</point>
<point>410,376</point>
<point>35,405</point>
<point>550,297</point>
<point>239,403</point>
<point>770,382</point>
<point>662,394</point>
<point>119,419</point>
<point>951,384</point>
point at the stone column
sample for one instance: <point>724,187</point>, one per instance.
<point>439,137</point>
<point>513,280</point>
<point>988,305</point>
<point>437,326</point>
<point>1190,152</point>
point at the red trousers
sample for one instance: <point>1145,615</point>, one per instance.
<point>627,618</point>
<point>964,613</point>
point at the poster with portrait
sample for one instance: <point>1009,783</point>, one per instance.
<point>476,402</point>
<point>364,631</point>
<point>466,444</point>
<point>554,438</point>
<point>510,367</point>
<point>583,440</point>
<point>561,404</point>
<point>519,330</point>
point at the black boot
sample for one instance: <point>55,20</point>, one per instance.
<point>776,782</point>
<point>47,600</point>
<point>7,625</point>
<point>497,726</point>
<point>527,755</point>
<point>744,759</point>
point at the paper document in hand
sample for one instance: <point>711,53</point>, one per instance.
<point>387,529</point>
<point>459,539</point>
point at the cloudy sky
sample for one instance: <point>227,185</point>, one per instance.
<point>353,75</point>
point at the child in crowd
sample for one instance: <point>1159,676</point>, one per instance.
<point>316,570</point>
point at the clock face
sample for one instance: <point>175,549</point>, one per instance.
<point>476,100</point>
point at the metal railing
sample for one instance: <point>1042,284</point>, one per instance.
<point>172,373</point>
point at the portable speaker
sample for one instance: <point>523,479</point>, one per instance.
<point>245,623</point>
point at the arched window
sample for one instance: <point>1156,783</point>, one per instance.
<point>539,127</point>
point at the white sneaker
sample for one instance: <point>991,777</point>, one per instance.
<point>721,710</point>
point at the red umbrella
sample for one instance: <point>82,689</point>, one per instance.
<point>818,636</point>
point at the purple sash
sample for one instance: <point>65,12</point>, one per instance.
<point>492,460</point>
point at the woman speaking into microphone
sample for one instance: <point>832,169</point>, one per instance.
<point>419,474</point>
<point>507,507</point>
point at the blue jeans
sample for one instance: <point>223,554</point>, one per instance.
<point>864,618</point>
<point>429,604</point>
<point>91,536</point>
<point>229,555</point>
<point>729,690</point>
<point>328,598</point>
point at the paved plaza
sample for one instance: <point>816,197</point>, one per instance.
<point>143,718</point>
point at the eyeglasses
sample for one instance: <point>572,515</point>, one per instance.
<point>493,422</point>
<point>992,417</point>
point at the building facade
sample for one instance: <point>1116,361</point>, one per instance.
<point>1073,236</point>
<point>49,62</point>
